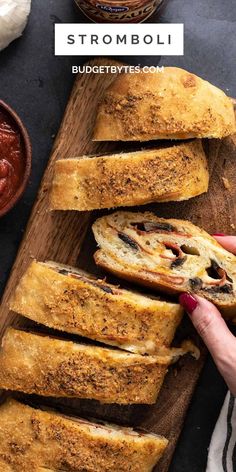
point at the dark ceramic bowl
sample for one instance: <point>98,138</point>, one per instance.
<point>27,151</point>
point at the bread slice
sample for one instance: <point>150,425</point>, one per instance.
<point>47,366</point>
<point>34,440</point>
<point>165,174</point>
<point>170,255</point>
<point>173,104</point>
<point>64,298</point>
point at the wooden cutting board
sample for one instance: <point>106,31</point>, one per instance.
<point>66,237</point>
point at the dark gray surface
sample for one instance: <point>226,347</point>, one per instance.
<point>37,85</point>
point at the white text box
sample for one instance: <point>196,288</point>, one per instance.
<point>145,39</point>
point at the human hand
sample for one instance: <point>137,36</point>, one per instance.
<point>212,327</point>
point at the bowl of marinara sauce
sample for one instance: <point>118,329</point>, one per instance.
<point>15,158</point>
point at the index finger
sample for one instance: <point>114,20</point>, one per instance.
<point>228,242</point>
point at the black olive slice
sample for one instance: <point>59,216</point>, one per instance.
<point>220,289</point>
<point>178,262</point>
<point>195,283</point>
<point>129,241</point>
<point>63,271</point>
<point>148,226</point>
<point>105,288</point>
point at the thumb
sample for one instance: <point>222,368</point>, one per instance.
<point>214,332</point>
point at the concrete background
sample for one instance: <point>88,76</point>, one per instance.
<point>37,85</point>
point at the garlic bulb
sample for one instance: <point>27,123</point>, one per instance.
<point>13,19</point>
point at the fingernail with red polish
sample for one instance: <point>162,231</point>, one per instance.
<point>218,234</point>
<point>188,302</point>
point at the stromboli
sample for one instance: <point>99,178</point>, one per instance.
<point>173,104</point>
<point>39,440</point>
<point>171,255</point>
<point>172,173</point>
<point>68,299</point>
<point>32,363</point>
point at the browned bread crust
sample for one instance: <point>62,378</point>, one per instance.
<point>87,183</point>
<point>46,366</point>
<point>170,255</point>
<point>173,104</point>
<point>32,440</point>
<point>63,298</point>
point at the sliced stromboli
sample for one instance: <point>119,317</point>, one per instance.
<point>173,104</point>
<point>33,363</point>
<point>170,255</point>
<point>136,178</point>
<point>64,298</point>
<point>36,440</point>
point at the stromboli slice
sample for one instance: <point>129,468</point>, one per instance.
<point>171,255</point>
<point>173,104</point>
<point>32,363</point>
<point>166,174</point>
<point>63,298</point>
<point>35,440</point>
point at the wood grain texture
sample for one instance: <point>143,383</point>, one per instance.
<point>66,237</point>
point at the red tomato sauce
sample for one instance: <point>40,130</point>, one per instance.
<point>12,160</point>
